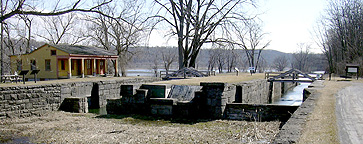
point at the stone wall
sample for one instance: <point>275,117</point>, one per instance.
<point>259,112</point>
<point>255,91</point>
<point>74,104</point>
<point>24,101</point>
<point>208,100</point>
<point>292,130</point>
<point>218,95</point>
<point>112,89</point>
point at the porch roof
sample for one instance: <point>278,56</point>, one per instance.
<point>83,50</point>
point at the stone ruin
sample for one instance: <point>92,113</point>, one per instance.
<point>209,100</point>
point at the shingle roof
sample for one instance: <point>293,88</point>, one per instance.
<point>82,50</point>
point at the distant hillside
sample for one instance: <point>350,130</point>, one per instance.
<point>146,57</point>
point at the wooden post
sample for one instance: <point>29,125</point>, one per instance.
<point>94,67</point>
<point>116,69</point>
<point>82,68</point>
<point>69,68</point>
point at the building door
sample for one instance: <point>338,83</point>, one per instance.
<point>88,67</point>
<point>79,67</point>
<point>102,67</point>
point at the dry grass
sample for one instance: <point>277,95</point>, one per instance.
<point>90,79</point>
<point>225,78</point>
<point>61,127</point>
<point>321,125</point>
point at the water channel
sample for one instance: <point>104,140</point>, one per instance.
<point>294,96</point>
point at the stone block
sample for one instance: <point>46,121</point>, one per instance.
<point>65,90</point>
<point>28,105</point>
<point>155,91</point>
<point>127,90</point>
<point>18,102</point>
<point>163,101</point>
<point>212,84</point>
<point>74,104</point>
<point>162,110</point>
<point>114,106</point>
<point>140,96</point>
<point>185,109</point>
<point>183,92</point>
<point>14,96</point>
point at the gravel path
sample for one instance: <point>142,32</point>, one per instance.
<point>349,110</point>
<point>62,127</point>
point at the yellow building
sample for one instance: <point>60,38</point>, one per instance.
<point>63,61</point>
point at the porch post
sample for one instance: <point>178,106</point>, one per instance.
<point>116,69</point>
<point>69,68</point>
<point>82,68</point>
<point>94,67</point>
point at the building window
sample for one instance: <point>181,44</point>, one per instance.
<point>33,65</point>
<point>47,65</point>
<point>53,52</point>
<point>19,65</point>
<point>63,65</point>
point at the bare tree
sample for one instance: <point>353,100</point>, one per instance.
<point>169,56</point>
<point>251,40</point>
<point>61,29</point>
<point>28,29</point>
<point>12,40</point>
<point>11,8</point>
<point>155,65</point>
<point>231,58</point>
<point>212,59</point>
<point>194,23</point>
<point>280,63</point>
<point>301,57</point>
<point>325,40</point>
<point>340,35</point>
<point>118,35</point>
<point>262,65</point>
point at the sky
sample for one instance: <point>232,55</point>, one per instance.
<point>287,22</point>
<point>290,22</point>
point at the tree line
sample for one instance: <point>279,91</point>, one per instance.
<point>339,34</point>
<point>225,26</point>
<point>225,59</point>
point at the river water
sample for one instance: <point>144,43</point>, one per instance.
<point>293,97</point>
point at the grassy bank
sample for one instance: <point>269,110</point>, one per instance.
<point>321,125</point>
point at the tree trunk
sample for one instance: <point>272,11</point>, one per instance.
<point>122,66</point>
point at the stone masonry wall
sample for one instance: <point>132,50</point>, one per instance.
<point>292,130</point>
<point>215,96</point>
<point>24,101</point>
<point>209,99</point>
<point>259,112</point>
<point>112,89</point>
<point>255,91</point>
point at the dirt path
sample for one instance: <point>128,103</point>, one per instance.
<point>321,124</point>
<point>349,110</point>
